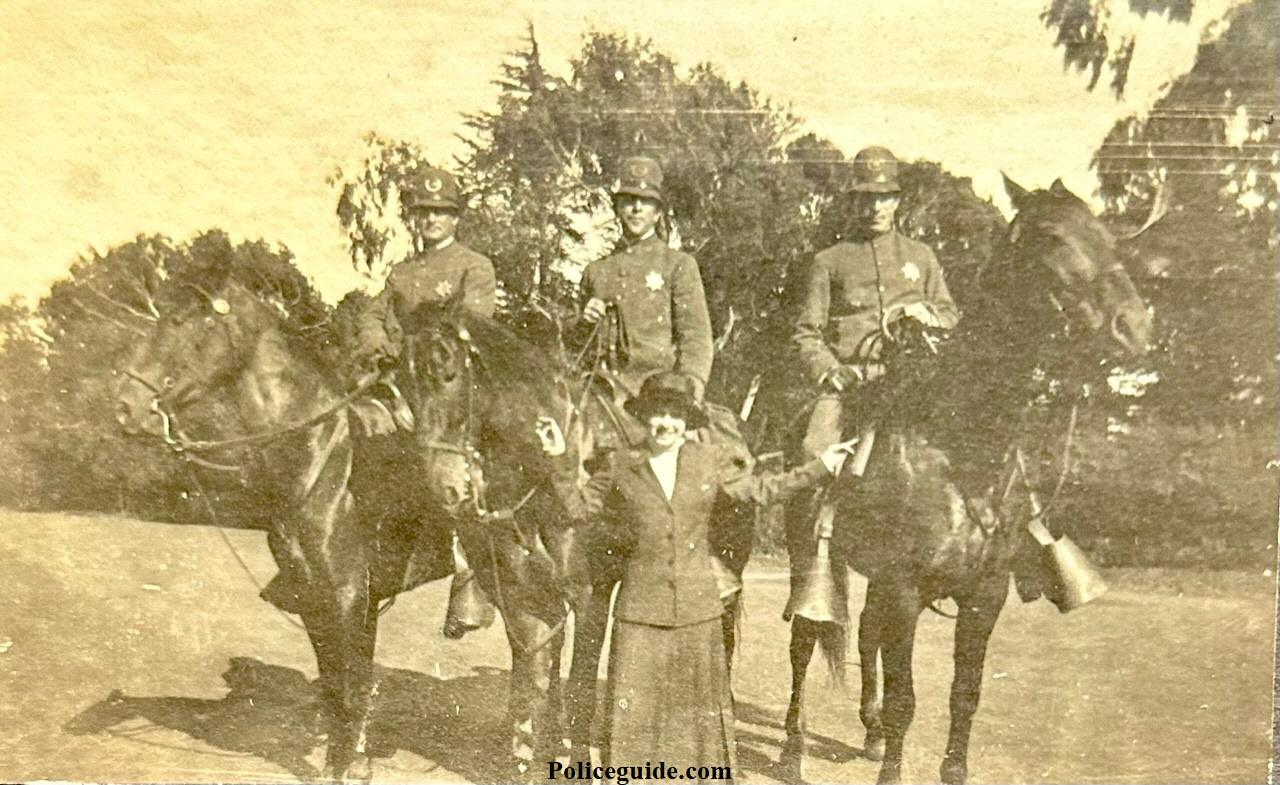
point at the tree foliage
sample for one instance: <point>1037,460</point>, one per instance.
<point>1090,42</point>
<point>1211,263</point>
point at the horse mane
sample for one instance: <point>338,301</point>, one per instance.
<point>272,279</point>
<point>502,356</point>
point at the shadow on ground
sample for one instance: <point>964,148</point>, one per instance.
<point>272,712</point>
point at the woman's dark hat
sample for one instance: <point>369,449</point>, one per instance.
<point>668,391</point>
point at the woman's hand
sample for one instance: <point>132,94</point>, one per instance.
<point>833,457</point>
<point>549,434</point>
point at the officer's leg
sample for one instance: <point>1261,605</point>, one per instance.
<point>824,426</point>
<point>819,589</point>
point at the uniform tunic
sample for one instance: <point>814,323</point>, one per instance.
<point>432,276</point>
<point>661,307</point>
<point>852,284</point>
<point>668,684</point>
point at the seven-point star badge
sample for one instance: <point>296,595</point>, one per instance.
<point>654,280</point>
<point>911,272</point>
<point>444,289</point>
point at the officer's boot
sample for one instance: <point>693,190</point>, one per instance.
<point>469,608</point>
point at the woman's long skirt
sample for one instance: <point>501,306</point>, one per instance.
<point>669,699</point>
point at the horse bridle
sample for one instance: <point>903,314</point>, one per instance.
<point>471,456</point>
<point>187,448</point>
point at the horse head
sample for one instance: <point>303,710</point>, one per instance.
<point>1071,258</point>
<point>476,391</point>
<point>205,337</point>
<point>441,364</point>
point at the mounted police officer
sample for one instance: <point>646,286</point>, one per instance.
<point>439,269</point>
<point>647,296</point>
<point>871,275</point>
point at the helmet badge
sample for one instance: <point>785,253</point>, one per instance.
<point>434,185</point>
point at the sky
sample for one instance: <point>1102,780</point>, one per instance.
<point>150,116</point>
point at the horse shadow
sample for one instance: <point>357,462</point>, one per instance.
<point>760,752</point>
<point>273,713</point>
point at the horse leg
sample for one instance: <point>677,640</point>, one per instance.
<point>869,706</point>
<point>978,614</point>
<point>530,711</point>
<point>901,608</point>
<point>557,735</point>
<point>591,619</point>
<point>342,633</point>
<point>804,635</point>
<point>728,630</point>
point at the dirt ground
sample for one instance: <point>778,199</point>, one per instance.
<point>139,652</point>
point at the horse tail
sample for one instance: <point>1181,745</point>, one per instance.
<point>833,641</point>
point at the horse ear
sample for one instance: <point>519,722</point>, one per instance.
<point>1059,189</point>
<point>1017,194</point>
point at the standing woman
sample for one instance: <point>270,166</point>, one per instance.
<point>668,686</point>
<point>655,290</point>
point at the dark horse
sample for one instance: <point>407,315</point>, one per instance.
<point>939,512</point>
<point>349,518</point>
<point>482,389</point>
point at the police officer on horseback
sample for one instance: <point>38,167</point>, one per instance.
<point>872,275</point>
<point>441,268</point>
<point>645,301</point>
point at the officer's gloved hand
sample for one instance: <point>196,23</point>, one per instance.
<point>922,313</point>
<point>842,377</point>
<point>595,310</point>
<point>833,457</point>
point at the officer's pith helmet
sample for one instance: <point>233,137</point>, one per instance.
<point>431,187</point>
<point>640,176</point>
<point>875,170</point>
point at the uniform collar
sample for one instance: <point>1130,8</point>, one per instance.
<point>868,239</point>
<point>443,244</point>
<point>648,239</point>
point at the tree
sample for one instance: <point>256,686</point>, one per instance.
<point>1091,41</point>
<point>368,206</point>
<point>1211,143</point>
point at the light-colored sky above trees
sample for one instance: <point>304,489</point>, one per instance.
<point>140,116</point>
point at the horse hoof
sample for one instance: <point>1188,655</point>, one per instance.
<point>953,773</point>
<point>890,774</point>
<point>873,748</point>
<point>360,771</point>
<point>791,760</point>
